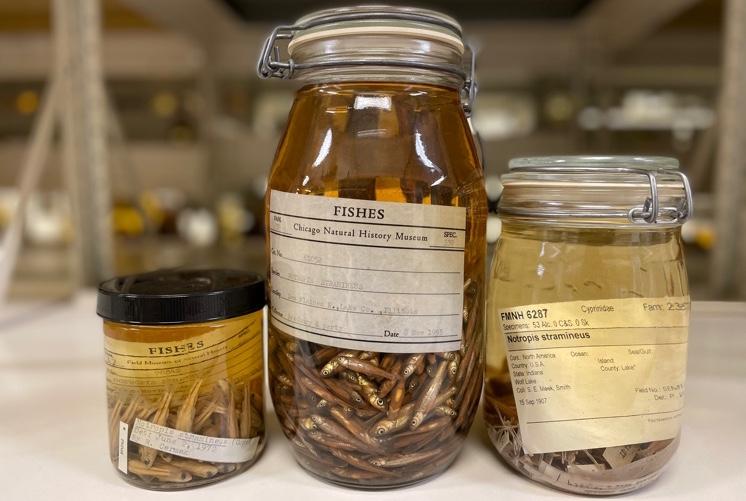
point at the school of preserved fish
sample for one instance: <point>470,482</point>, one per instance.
<point>227,410</point>
<point>369,419</point>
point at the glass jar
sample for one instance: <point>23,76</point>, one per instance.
<point>375,216</point>
<point>588,314</point>
<point>184,375</point>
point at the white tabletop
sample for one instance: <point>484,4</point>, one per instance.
<point>53,423</point>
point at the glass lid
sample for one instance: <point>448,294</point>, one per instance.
<point>594,161</point>
<point>597,190</point>
<point>377,19</point>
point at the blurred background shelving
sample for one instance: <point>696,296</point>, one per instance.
<point>199,130</point>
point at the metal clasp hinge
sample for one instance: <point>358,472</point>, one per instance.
<point>650,210</point>
<point>469,91</point>
<point>270,65</point>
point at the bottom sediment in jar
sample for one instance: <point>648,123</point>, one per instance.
<point>228,410</point>
<point>598,471</point>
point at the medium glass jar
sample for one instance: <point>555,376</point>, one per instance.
<point>588,314</point>
<point>376,215</point>
<point>184,375</point>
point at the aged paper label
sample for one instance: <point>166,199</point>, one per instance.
<point>599,373</point>
<point>122,447</point>
<point>190,445</point>
<point>367,275</point>
<point>229,349</point>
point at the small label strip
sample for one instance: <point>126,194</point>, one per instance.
<point>122,460</point>
<point>190,445</point>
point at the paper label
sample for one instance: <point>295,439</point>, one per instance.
<point>366,275</point>
<point>620,456</point>
<point>190,445</point>
<point>122,459</point>
<point>602,373</point>
<point>229,349</point>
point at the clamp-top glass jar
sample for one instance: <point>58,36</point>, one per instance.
<point>588,314</point>
<point>376,216</point>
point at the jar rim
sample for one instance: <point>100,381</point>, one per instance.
<point>364,27</point>
<point>374,19</point>
<point>322,15</point>
<point>652,163</point>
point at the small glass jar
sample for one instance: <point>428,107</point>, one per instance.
<point>376,215</point>
<point>588,314</point>
<point>184,375</point>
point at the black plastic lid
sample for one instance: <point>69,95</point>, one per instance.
<point>180,296</point>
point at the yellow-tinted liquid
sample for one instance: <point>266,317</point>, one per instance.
<point>150,367</point>
<point>386,142</point>
<point>536,264</point>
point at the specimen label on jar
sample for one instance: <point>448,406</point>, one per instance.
<point>122,447</point>
<point>366,275</point>
<point>231,351</point>
<point>599,373</point>
<point>190,445</point>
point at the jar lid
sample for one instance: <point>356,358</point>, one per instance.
<point>180,296</point>
<point>377,19</point>
<point>372,43</point>
<point>597,190</point>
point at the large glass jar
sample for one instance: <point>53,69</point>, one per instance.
<point>587,314</point>
<point>376,216</point>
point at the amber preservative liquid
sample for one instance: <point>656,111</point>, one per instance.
<point>376,218</point>
<point>184,375</point>
<point>587,314</point>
